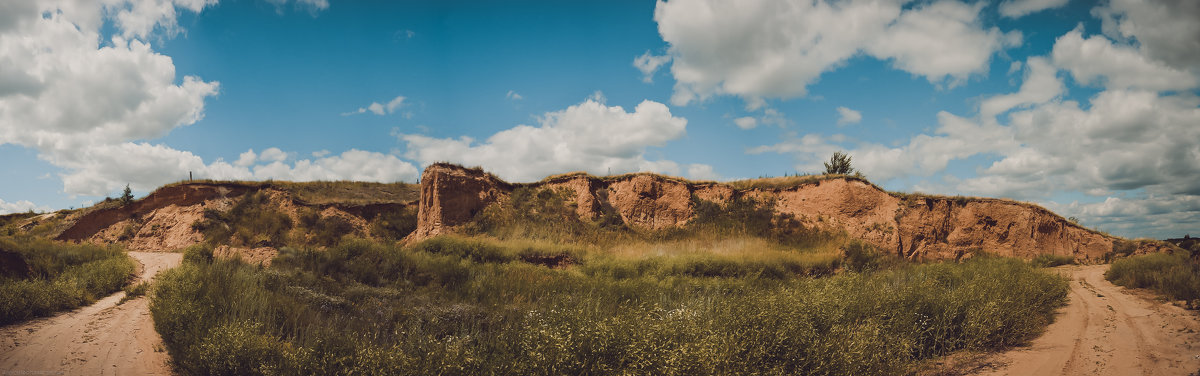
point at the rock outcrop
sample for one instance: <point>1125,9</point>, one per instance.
<point>913,226</point>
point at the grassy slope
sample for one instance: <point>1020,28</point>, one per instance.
<point>64,276</point>
<point>530,290</point>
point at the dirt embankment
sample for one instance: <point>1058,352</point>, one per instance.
<point>913,226</point>
<point>163,220</point>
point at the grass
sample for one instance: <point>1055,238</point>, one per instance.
<point>1175,276</point>
<point>1050,261</point>
<point>528,288</point>
<point>458,307</point>
<point>53,276</point>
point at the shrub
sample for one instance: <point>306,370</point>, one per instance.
<point>838,164</point>
<point>1171,275</point>
<point>251,222</point>
<point>395,224</point>
<point>1050,261</point>
<point>63,276</point>
<point>362,307</point>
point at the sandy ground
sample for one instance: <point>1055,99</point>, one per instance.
<point>1108,330</point>
<point>101,339</point>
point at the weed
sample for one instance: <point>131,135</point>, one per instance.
<point>1172,275</point>
<point>60,276</point>
<point>470,306</point>
<point>1050,261</point>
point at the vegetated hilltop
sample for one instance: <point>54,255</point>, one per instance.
<point>248,216</point>
<point>914,226</point>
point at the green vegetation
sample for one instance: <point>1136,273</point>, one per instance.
<point>251,222</point>
<point>531,289</point>
<point>838,164</point>
<point>39,277</point>
<point>126,195</point>
<point>466,306</point>
<point>1050,261</point>
<point>1175,276</point>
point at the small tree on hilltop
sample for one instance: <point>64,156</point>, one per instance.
<point>126,195</point>
<point>838,164</point>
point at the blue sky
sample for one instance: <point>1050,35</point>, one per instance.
<point>1089,108</point>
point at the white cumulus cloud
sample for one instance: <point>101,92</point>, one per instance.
<point>775,48</point>
<point>848,116</point>
<point>589,136</point>
<point>20,207</point>
<point>1096,59</point>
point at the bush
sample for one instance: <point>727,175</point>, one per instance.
<point>251,222</point>
<point>64,276</point>
<point>1171,275</point>
<point>362,307</point>
<point>1050,261</point>
<point>395,224</point>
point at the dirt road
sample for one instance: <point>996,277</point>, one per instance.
<point>101,339</point>
<point>1107,330</point>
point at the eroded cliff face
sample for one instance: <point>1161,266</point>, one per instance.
<point>452,196</point>
<point>915,227</point>
<point>163,220</point>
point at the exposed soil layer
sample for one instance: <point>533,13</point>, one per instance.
<point>163,220</point>
<point>105,338</point>
<point>1108,330</point>
<point>913,226</point>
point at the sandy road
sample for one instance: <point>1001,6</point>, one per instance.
<point>101,339</point>
<point>1106,330</point>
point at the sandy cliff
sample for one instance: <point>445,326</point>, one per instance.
<point>913,226</point>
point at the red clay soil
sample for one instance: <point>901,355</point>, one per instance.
<point>916,227</point>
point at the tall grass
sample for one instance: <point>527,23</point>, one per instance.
<point>471,306</point>
<point>58,276</point>
<point>1173,275</point>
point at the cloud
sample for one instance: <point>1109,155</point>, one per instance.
<point>145,166</point>
<point>746,122</point>
<point>588,136</point>
<point>312,6</point>
<point>246,159</point>
<point>771,48</point>
<point>77,94</point>
<point>1097,60</point>
<point>1041,84</point>
<point>1153,216</point>
<point>88,107</point>
<point>649,64</point>
<point>1165,30</point>
<point>513,96</point>
<point>848,116</point>
<point>380,108</point>
<point>1020,8</point>
<point>20,207</point>
<point>702,172</point>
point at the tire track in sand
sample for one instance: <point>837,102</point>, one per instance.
<point>1108,330</point>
